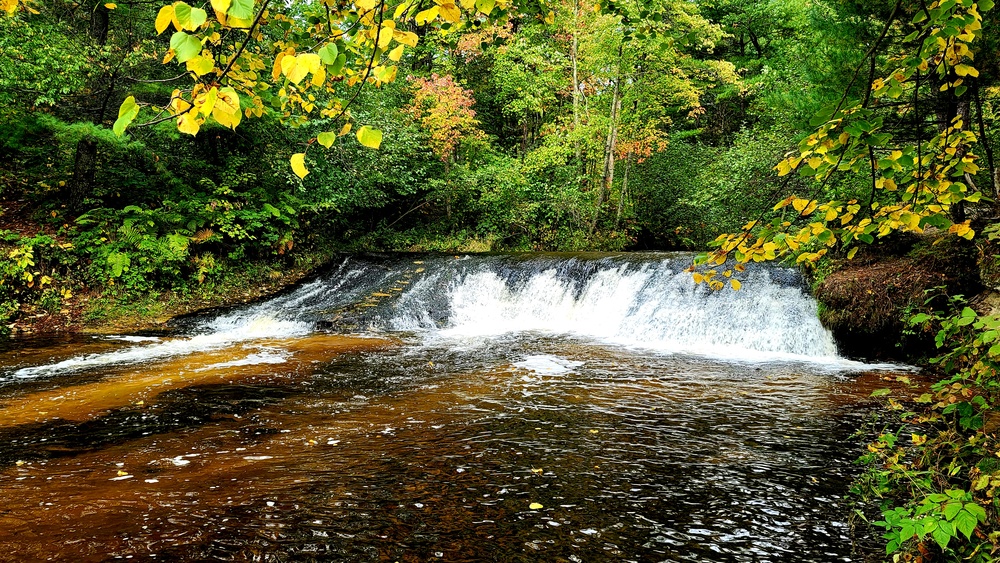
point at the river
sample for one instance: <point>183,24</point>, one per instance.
<point>454,408</point>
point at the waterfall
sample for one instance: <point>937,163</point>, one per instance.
<point>644,301</point>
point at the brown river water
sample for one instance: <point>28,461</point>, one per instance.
<point>437,425</point>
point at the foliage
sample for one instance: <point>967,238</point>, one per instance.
<point>938,488</point>
<point>914,185</point>
<point>444,110</point>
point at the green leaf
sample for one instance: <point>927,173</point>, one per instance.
<point>271,209</point>
<point>985,5</point>
<point>371,138</point>
<point>126,114</point>
<point>328,54</point>
<point>976,510</point>
<point>881,392</point>
<point>338,66</point>
<point>966,523</point>
<point>485,6</point>
<point>941,537</point>
<point>183,14</point>
<point>326,138</point>
<point>952,509</point>
<point>198,17</point>
<point>119,263</point>
<point>241,9</point>
<point>185,46</point>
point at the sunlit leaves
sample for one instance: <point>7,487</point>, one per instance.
<point>163,19</point>
<point>297,67</point>
<point>371,138</point>
<point>126,114</point>
<point>298,162</point>
<point>227,108</point>
<point>221,6</point>
<point>428,15</point>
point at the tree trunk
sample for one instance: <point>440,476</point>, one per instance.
<point>100,20</point>
<point>83,173</point>
<point>608,177</point>
<point>756,44</point>
<point>621,196</point>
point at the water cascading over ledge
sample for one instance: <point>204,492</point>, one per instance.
<point>644,301</point>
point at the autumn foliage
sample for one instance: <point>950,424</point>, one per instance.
<point>444,110</point>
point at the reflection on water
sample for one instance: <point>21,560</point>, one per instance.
<point>334,448</point>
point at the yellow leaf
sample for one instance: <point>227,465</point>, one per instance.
<point>371,138</point>
<point>736,284</point>
<point>319,77</point>
<point>189,122</point>
<point>227,108</point>
<point>396,53</point>
<point>831,214</point>
<point>403,6</point>
<point>783,168</point>
<point>163,19</point>
<point>345,129</point>
<point>407,38</point>
<point>299,164</point>
<point>551,18</point>
<point>698,278</point>
<point>384,37</point>
<point>200,65</point>
<point>535,506</point>
<point>366,5</point>
<point>208,103</point>
<point>468,4</point>
<point>428,15</point>
<point>311,61</point>
<point>799,204</point>
<point>451,13</point>
<point>221,6</point>
<point>851,253</point>
<point>111,5</point>
<point>966,70</point>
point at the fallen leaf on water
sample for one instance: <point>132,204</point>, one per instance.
<point>538,471</point>
<point>595,431</point>
<point>534,506</point>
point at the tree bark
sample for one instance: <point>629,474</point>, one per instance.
<point>83,173</point>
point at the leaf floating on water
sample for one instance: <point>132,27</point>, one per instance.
<point>594,431</point>
<point>122,473</point>
<point>538,471</point>
<point>535,506</point>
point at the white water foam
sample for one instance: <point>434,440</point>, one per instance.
<point>653,307</point>
<point>546,364</point>
<point>225,331</point>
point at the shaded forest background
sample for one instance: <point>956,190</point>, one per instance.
<point>585,130</point>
